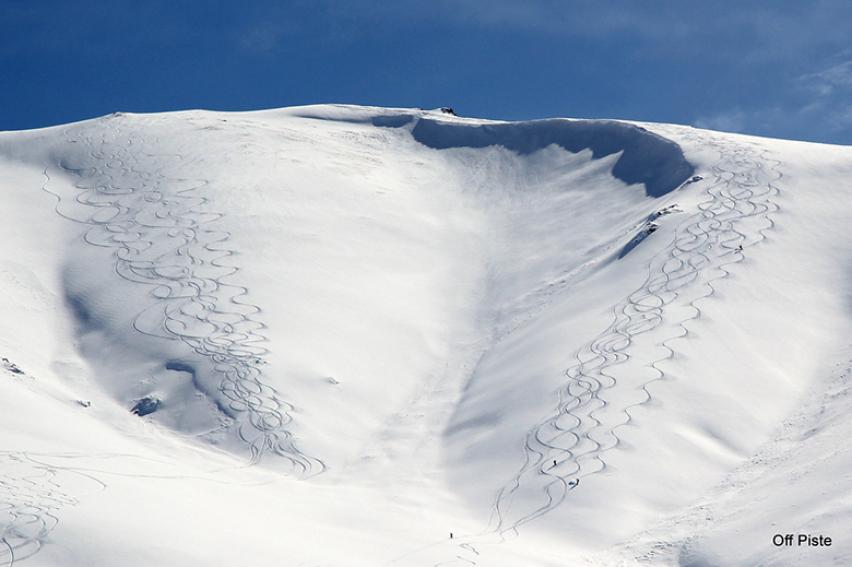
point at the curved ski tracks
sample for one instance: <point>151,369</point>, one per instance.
<point>31,493</point>
<point>744,181</point>
<point>161,231</point>
<point>133,212</point>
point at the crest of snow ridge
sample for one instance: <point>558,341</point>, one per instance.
<point>646,158</point>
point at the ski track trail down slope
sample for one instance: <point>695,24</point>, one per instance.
<point>572,442</point>
<point>160,232</point>
<point>164,237</point>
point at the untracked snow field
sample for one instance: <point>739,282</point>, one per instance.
<point>356,336</point>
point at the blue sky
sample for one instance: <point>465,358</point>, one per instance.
<point>777,68</point>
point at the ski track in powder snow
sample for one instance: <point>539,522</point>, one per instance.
<point>160,230</point>
<point>31,494</point>
<point>577,433</point>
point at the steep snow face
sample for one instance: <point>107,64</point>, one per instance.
<point>555,334</point>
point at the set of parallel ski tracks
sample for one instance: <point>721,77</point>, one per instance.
<point>572,442</point>
<point>163,235</point>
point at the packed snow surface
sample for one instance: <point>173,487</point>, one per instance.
<point>352,336</point>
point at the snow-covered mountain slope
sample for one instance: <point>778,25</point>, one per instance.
<point>335,335</point>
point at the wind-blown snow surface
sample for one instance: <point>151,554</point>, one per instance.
<point>361,329</point>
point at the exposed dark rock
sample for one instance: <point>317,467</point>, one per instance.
<point>146,406</point>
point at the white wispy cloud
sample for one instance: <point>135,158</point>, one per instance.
<point>828,81</point>
<point>733,120</point>
<point>818,102</point>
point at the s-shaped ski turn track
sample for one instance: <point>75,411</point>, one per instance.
<point>162,231</point>
<point>583,427</point>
